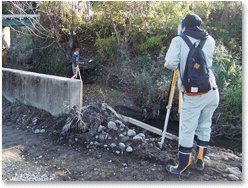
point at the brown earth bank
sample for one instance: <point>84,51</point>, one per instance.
<point>92,144</point>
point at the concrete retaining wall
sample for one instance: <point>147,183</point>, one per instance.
<point>52,93</point>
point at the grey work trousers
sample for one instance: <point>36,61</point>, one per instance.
<point>73,69</point>
<point>196,117</point>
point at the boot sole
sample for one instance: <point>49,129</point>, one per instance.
<point>199,169</point>
<point>183,174</point>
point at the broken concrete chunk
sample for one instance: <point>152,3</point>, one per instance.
<point>100,128</point>
<point>129,149</point>
<point>39,131</point>
<point>137,137</point>
<point>101,137</point>
<point>142,135</point>
<point>118,121</point>
<point>112,145</point>
<point>131,133</point>
<point>122,125</point>
<point>235,171</point>
<point>233,177</point>
<point>122,145</point>
<point>111,125</point>
<point>34,121</point>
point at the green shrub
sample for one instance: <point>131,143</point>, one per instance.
<point>152,82</point>
<point>107,48</point>
<point>21,50</point>
<point>152,44</point>
<point>52,61</point>
<point>228,73</point>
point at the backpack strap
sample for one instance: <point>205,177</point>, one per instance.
<point>186,39</point>
<point>188,42</point>
<point>202,43</point>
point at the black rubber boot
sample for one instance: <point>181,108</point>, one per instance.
<point>182,168</point>
<point>202,148</point>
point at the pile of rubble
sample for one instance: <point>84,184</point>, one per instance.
<point>99,125</point>
<point>94,126</point>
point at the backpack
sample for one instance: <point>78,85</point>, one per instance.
<point>195,79</point>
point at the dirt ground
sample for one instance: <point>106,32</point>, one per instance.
<point>37,147</point>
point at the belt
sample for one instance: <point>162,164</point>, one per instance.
<point>196,94</point>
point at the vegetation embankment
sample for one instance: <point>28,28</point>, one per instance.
<point>129,41</point>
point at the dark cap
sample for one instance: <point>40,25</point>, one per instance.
<point>191,20</point>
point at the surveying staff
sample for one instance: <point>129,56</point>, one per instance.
<point>196,111</point>
<point>75,61</point>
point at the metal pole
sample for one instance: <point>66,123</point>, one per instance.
<point>172,91</point>
<point>81,91</point>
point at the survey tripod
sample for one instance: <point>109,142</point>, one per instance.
<point>171,95</point>
<point>168,107</point>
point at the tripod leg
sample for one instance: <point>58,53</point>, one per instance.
<point>172,90</point>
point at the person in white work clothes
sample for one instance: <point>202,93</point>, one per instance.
<point>197,110</point>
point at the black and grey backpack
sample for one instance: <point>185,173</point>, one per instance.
<point>195,79</point>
